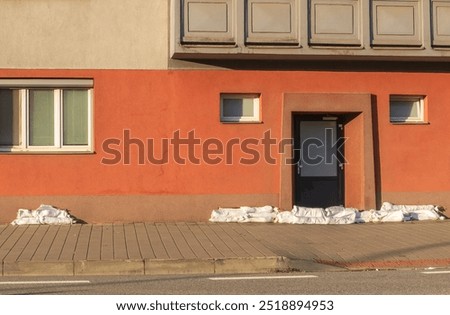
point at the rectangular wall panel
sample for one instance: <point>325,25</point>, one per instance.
<point>272,21</point>
<point>208,21</point>
<point>441,23</point>
<point>335,22</point>
<point>396,23</point>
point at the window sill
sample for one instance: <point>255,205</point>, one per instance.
<point>241,122</point>
<point>4,151</point>
<point>410,123</point>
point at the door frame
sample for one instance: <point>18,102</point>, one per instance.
<point>358,107</point>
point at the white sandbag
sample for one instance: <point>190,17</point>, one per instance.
<point>228,215</point>
<point>406,208</point>
<point>245,209</point>
<point>305,215</point>
<point>266,209</point>
<point>285,217</point>
<point>364,216</point>
<point>424,215</point>
<point>45,214</point>
<point>289,218</point>
<point>244,214</point>
<point>261,217</point>
<point>379,216</point>
<point>308,212</point>
<point>341,215</point>
<point>25,221</point>
<point>388,216</point>
<point>414,212</point>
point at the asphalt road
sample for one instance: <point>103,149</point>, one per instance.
<point>406,282</point>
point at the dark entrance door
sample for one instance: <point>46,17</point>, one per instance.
<point>319,154</point>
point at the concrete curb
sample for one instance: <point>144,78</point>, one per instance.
<point>388,264</point>
<point>145,267</point>
<point>312,266</point>
<point>251,265</point>
<point>109,267</point>
<point>181,266</point>
<point>37,268</point>
<point>234,265</point>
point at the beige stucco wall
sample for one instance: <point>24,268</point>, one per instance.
<point>84,34</point>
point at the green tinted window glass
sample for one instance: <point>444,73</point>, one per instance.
<point>41,118</point>
<point>75,117</point>
<point>9,117</point>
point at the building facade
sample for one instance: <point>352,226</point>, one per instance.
<point>161,110</point>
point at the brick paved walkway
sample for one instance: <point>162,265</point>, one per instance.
<point>361,246</point>
<point>163,248</point>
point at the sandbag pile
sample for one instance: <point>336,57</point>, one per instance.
<point>330,215</point>
<point>244,214</point>
<point>400,213</point>
<point>45,214</point>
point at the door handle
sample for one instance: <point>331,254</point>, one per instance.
<point>299,167</point>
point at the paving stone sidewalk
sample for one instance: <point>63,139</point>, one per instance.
<point>179,248</point>
<point>360,246</point>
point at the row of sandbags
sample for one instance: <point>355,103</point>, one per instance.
<point>330,215</point>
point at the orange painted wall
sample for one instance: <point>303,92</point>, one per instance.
<point>154,104</point>
<point>353,188</point>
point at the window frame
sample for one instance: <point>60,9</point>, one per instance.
<point>255,118</point>
<point>24,87</point>
<point>415,99</point>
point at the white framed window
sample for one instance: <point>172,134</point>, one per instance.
<point>240,108</point>
<point>406,109</point>
<point>46,115</point>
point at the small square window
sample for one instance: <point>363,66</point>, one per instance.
<point>239,108</point>
<point>406,109</point>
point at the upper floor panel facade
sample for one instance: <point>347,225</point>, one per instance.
<point>143,34</point>
<point>302,29</point>
<point>84,34</point>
